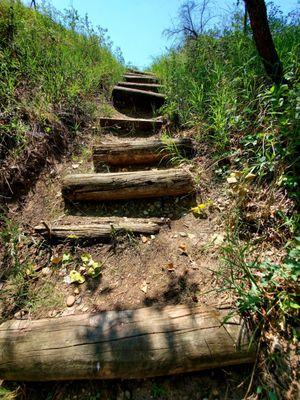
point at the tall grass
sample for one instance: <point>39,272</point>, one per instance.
<point>51,64</point>
<point>218,83</point>
<point>218,79</point>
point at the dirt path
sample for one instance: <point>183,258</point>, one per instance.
<point>178,265</point>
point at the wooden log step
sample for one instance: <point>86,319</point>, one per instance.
<point>139,99</point>
<point>140,78</point>
<point>152,87</point>
<point>127,185</point>
<point>99,228</point>
<point>140,151</point>
<point>131,344</point>
<point>137,72</point>
<point>133,125</point>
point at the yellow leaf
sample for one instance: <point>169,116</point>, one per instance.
<point>76,277</point>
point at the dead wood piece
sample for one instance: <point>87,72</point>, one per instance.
<point>152,87</point>
<point>138,78</point>
<point>98,230</point>
<point>130,344</point>
<point>140,152</point>
<point>127,185</point>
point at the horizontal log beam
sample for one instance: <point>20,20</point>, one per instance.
<point>132,125</point>
<point>127,185</point>
<point>141,151</point>
<point>152,87</point>
<point>132,344</point>
<point>98,230</point>
<point>140,78</point>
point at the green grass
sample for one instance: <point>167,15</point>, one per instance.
<point>52,65</point>
<point>217,86</point>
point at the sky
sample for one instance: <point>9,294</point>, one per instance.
<point>136,26</point>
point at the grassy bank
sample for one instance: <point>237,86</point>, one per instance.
<point>216,85</point>
<point>52,65</point>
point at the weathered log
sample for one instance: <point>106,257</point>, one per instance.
<point>140,151</point>
<point>152,87</point>
<point>133,344</point>
<point>140,78</point>
<point>137,72</point>
<point>101,229</point>
<point>127,185</point>
<point>124,97</point>
<point>132,125</point>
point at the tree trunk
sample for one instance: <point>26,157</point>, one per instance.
<point>127,185</point>
<point>257,11</point>
<point>130,344</point>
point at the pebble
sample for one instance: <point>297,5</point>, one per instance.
<point>79,300</point>
<point>70,300</point>
<point>76,291</point>
<point>144,239</point>
<point>67,280</point>
<point>127,395</point>
<point>152,237</point>
<point>183,234</point>
<point>46,271</point>
<point>18,315</point>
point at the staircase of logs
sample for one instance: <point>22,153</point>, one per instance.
<point>130,344</point>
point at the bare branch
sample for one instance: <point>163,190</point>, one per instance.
<point>193,18</point>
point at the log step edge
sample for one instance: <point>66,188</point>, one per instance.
<point>130,344</point>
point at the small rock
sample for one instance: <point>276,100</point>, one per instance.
<point>46,271</point>
<point>144,239</point>
<point>18,315</point>
<point>76,291</point>
<point>152,237</point>
<point>183,234</point>
<point>70,300</point>
<point>67,280</point>
<point>145,212</point>
<point>79,300</point>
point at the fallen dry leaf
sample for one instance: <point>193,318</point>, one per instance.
<point>183,248</point>
<point>144,287</point>
<point>170,267</point>
<point>56,260</point>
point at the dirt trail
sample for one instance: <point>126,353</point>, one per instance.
<point>178,265</point>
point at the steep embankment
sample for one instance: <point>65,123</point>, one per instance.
<point>52,67</point>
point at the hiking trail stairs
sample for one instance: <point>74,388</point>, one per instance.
<point>130,344</point>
